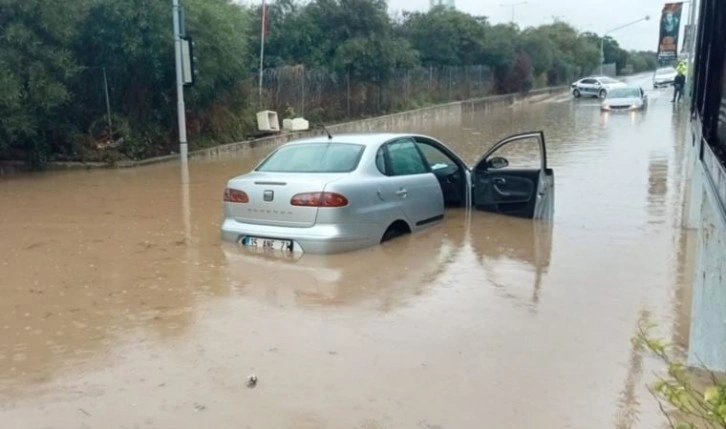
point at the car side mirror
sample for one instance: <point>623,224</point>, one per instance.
<point>497,162</point>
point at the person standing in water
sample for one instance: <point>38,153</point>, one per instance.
<point>678,84</point>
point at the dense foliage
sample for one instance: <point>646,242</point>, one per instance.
<point>695,398</point>
<point>55,57</point>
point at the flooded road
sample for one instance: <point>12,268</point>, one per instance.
<point>120,308</point>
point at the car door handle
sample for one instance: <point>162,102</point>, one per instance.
<point>501,192</point>
<point>500,181</point>
<point>402,193</point>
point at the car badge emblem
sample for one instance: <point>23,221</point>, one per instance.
<point>268,195</point>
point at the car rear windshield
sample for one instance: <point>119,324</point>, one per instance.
<point>624,93</point>
<point>314,158</point>
<point>608,80</point>
<point>665,71</point>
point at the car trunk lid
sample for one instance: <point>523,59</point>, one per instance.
<point>270,194</point>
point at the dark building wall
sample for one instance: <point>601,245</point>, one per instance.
<point>709,102</point>
<point>707,190</point>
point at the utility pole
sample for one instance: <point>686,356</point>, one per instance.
<point>181,112</point>
<point>691,48</point>
<point>262,51</point>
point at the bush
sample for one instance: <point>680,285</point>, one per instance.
<point>695,402</point>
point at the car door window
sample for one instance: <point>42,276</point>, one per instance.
<point>437,159</point>
<point>588,81</point>
<point>405,159</point>
<point>512,178</point>
<point>381,161</point>
<point>522,154</point>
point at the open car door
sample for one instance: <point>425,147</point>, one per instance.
<point>512,178</point>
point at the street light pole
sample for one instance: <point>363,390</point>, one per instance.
<point>602,39</point>
<point>513,5</point>
<point>263,28</point>
<point>691,48</point>
<point>181,113</point>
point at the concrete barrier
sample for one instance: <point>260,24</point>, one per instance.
<point>387,122</point>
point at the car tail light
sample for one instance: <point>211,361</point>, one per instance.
<point>235,196</point>
<point>319,199</point>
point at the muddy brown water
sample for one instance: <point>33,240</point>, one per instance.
<point>120,308</point>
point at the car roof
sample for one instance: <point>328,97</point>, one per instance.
<point>365,139</point>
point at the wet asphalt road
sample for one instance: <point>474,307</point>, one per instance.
<point>120,308</point>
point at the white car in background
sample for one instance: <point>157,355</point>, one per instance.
<point>625,99</point>
<point>597,86</point>
<point>664,77</point>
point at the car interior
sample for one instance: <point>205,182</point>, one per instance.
<point>497,187</point>
<point>509,191</point>
<point>449,173</point>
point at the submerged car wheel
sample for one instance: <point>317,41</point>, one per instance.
<point>602,94</point>
<point>396,229</point>
<point>576,93</point>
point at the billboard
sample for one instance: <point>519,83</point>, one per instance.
<point>687,34</point>
<point>670,25</point>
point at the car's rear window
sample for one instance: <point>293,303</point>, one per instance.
<point>314,158</point>
<point>665,71</point>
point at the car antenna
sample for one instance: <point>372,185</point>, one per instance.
<point>330,136</point>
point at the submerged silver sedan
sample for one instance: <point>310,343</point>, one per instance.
<point>625,99</point>
<point>333,194</point>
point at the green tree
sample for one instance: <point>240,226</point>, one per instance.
<point>218,102</point>
<point>541,49</point>
<point>445,37</point>
<point>292,36</point>
<point>36,70</point>
<point>643,61</point>
<point>696,402</point>
<point>53,58</point>
<point>612,51</point>
<point>132,40</point>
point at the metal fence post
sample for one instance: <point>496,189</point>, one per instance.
<point>302,109</point>
<point>449,84</point>
<point>431,82</point>
<point>108,107</point>
<point>347,98</point>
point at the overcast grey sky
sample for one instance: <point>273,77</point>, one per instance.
<point>586,15</point>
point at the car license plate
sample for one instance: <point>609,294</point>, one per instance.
<point>267,243</point>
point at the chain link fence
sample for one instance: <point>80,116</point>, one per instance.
<point>319,95</point>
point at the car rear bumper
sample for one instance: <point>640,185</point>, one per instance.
<point>324,238</point>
